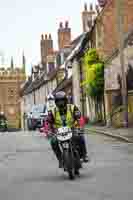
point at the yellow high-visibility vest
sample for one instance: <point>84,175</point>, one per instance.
<point>69,117</point>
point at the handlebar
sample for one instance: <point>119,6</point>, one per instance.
<point>78,131</point>
<point>75,131</point>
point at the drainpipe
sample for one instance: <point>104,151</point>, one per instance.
<point>82,92</point>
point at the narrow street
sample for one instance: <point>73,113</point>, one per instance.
<point>29,171</point>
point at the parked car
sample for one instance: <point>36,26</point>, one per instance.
<point>3,125</point>
<point>36,117</point>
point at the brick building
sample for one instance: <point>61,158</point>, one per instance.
<point>102,28</point>
<point>105,36</point>
<point>113,92</point>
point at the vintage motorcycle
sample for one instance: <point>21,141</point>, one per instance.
<point>70,150</point>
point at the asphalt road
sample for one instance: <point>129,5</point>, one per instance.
<point>29,171</point>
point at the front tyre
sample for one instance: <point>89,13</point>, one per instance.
<point>71,174</point>
<point>69,164</point>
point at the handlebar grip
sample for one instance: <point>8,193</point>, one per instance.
<point>78,131</point>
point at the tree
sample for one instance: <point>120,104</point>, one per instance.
<point>94,79</point>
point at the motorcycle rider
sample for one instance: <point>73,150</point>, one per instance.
<point>65,114</point>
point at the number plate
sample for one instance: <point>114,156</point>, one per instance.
<point>64,134</point>
<point>64,130</point>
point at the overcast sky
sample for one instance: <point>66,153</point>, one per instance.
<point>23,21</point>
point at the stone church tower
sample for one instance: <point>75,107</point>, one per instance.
<point>10,84</point>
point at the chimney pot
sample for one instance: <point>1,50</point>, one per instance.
<point>91,7</point>
<point>66,24</point>
<point>46,36</point>
<point>50,37</point>
<point>42,37</point>
<point>85,6</point>
<point>61,25</point>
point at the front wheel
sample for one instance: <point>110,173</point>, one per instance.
<point>71,174</point>
<point>69,164</point>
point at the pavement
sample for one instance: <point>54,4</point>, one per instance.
<point>29,170</point>
<point>125,134</point>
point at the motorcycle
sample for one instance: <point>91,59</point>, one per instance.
<point>3,125</point>
<point>70,151</point>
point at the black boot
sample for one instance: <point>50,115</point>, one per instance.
<point>86,158</point>
<point>83,149</point>
<point>60,164</point>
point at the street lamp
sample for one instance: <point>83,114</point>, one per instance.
<point>120,28</point>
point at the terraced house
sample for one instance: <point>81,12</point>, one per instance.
<point>104,37</point>
<point>46,76</point>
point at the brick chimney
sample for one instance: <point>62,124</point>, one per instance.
<point>46,46</point>
<point>87,17</point>
<point>64,35</point>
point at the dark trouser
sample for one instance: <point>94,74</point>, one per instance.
<point>80,140</point>
<point>56,148</point>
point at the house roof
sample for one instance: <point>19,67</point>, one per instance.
<point>39,81</point>
<point>34,85</point>
<point>76,40</point>
<point>79,46</point>
<point>63,84</point>
<point>80,43</point>
<point>52,75</point>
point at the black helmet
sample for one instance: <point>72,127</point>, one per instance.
<point>60,99</point>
